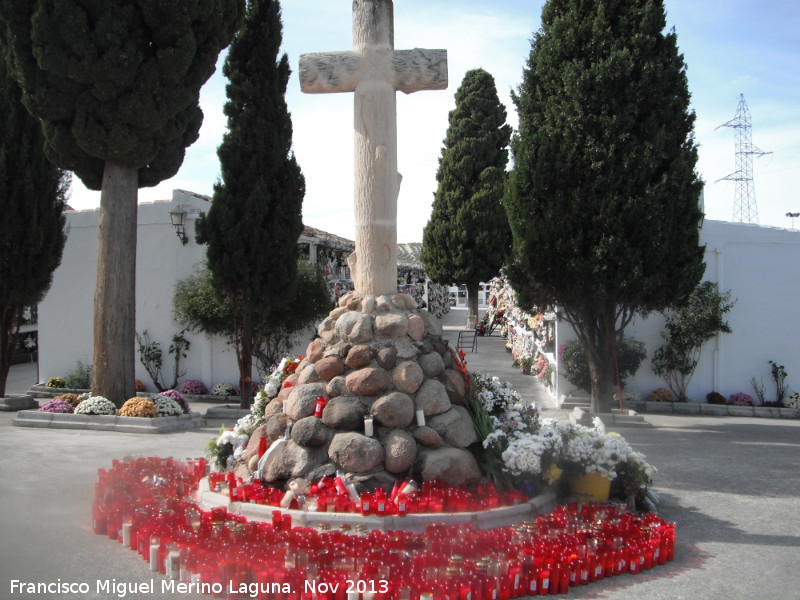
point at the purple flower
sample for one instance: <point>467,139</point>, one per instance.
<point>741,399</point>
<point>193,387</point>
<point>56,406</point>
<point>178,397</point>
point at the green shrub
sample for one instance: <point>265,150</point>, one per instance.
<point>573,365</point>
<point>56,382</point>
<point>80,377</point>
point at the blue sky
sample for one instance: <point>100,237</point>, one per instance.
<point>731,47</point>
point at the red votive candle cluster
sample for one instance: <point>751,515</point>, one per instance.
<point>146,503</point>
<point>337,494</point>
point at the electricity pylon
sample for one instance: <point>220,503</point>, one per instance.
<point>745,209</point>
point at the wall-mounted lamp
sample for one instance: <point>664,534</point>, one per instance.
<point>178,218</point>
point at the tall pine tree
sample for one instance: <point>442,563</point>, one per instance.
<point>32,202</point>
<point>115,85</point>
<point>466,239</point>
<point>256,217</point>
<point>605,199</point>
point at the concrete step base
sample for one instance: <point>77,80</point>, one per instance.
<point>47,420</point>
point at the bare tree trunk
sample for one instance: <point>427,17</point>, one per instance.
<point>7,317</point>
<point>246,357</point>
<point>602,374</point>
<point>596,328</point>
<point>472,299</point>
<point>601,359</point>
<point>115,291</point>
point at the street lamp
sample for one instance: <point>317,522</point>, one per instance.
<point>178,218</point>
<point>793,215</point>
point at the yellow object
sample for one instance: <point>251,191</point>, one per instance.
<point>590,487</point>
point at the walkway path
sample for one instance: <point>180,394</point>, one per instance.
<point>492,358</point>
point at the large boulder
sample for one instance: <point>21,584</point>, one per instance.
<point>308,374</point>
<point>329,367</point>
<point>311,431</point>
<point>432,364</point>
<point>367,482</point>
<point>432,398</point>
<point>455,426</point>
<point>433,326</point>
<point>326,326</point>
<point>252,444</point>
<point>407,377</point>
<point>354,327</point>
<point>405,349</point>
<point>314,350</point>
<point>428,437</point>
<point>416,328</point>
<point>275,426</point>
<point>273,407</point>
<point>455,385</point>
<point>404,302</point>
<point>345,412</point>
<point>302,400</point>
<point>387,358</point>
<point>288,459</point>
<point>356,453</point>
<point>336,387</point>
<point>400,451</point>
<point>369,381</point>
<point>392,325</point>
<point>454,466</point>
<point>359,356</point>
<point>394,409</point>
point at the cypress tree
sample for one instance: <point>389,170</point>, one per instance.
<point>115,85</point>
<point>605,205</point>
<point>32,197</point>
<point>256,216</point>
<point>466,239</point>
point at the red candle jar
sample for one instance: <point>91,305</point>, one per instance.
<point>365,503</point>
<point>320,406</point>
<point>402,505</point>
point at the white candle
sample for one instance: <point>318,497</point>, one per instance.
<point>286,501</point>
<point>420,418</point>
<point>154,557</point>
<point>173,565</point>
<point>368,430</point>
<point>126,534</point>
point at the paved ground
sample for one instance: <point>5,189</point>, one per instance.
<point>731,485</point>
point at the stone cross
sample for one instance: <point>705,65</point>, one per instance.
<point>374,70</point>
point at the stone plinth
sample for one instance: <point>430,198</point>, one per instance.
<point>487,519</point>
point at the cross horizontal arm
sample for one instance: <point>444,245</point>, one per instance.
<point>417,70</point>
<point>330,72</point>
<point>407,70</point>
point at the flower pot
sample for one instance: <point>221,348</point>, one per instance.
<point>591,487</point>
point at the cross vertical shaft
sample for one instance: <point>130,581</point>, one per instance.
<point>374,71</point>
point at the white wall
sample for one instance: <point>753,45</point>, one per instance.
<point>65,315</point>
<point>761,268</point>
